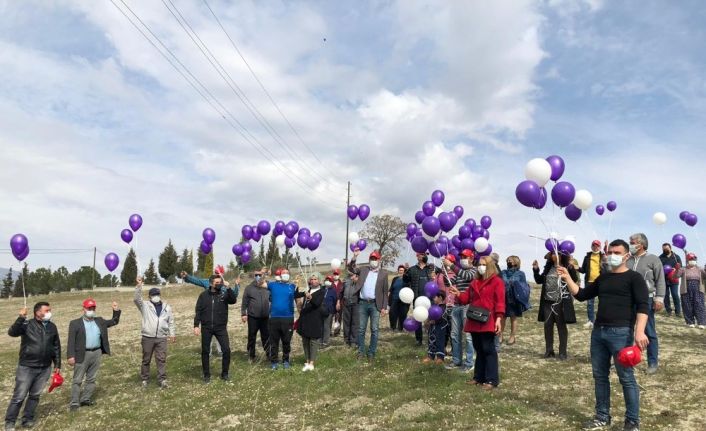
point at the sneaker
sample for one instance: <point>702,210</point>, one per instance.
<point>275,365</point>
<point>652,369</point>
<point>163,384</point>
<point>9,426</point>
<point>549,354</point>
<point>144,384</point>
<point>28,424</point>
<point>588,325</point>
<point>88,403</point>
<point>225,377</point>
<point>702,326</point>
<point>631,426</point>
<point>562,357</point>
<point>453,366</point>
<point>306,368</point>
<point>691,325</point>
<point>286,365</point>
<point>207,379</point>
<point>72,408</point>
<point>467,369</point>
<point>596,424</point>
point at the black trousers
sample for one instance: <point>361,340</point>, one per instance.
<point>398,312</point>
<point>221,334</point>
<point>486,368</point>
<point>256,324</point>
<point>281,330</point>
<point>558,319</point>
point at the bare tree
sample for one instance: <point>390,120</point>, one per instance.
<point>388,233</point>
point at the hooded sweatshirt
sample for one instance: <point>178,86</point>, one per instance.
<point>650,267</point>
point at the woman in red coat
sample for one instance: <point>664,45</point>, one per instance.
<point>486,293</point>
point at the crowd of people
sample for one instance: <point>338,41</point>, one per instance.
<point>475,295</point>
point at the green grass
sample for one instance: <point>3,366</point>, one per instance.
<point>396,393</point>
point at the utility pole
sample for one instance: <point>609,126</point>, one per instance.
<point>348,203</point>
<point>93,274</point>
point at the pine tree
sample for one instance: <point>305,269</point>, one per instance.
<point>151,277</point>
<point>168,260</point>
<point>261,256</point>
<point>129,273</point>
<point>60,280</point>
<point>207,266</point>
<point>185,262</point>
<point>200,261</point>
<point>7,283</point>
<point>22,281</point>
<point>82,278</point>
<point>273,258</point>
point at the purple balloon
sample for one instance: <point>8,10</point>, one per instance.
<point>419,232</point>
<point>433,247</point>
<point>362,244</point>
<point>245,257</point>
<point>295,225</point>
<point>247,246</point>
<point>470,222</point>
<point>456,241</point>
<point>431,226</point>
<point>419,244</point>
<point>411,229</point>
<point>111,261</point>
<point>305,231</point>
<point>464,232</point>
<point>682,215</point>
<point>486,222</point>
<point>237,249</point>
<point>679,241</point>
<point>527,193</point>
<point>411,325</point>
<point>435,312</point>
<point>612,206</point>
<point>247,232</point>
<point>209,235</point>
<point>205,247</point>
<point>419,217</point>
<point>126,235</point>
<point>551,244</point>
<point>431,289</point>
<point>600,209</point>
<point>567,247</point>
<point>313,243</point>
<point>542,200</point>
<point>428,208</point>
<point>135,222</point>
<point>458,211</point>
<point>487,251</point>
<point>318,236</point>
<point>467,244</point>
<point>486,234</point>
<point>437,198</point>
<point>289,242</point>
<point>691,220</point>
<point>18,243</point>
<point>303,240</point>
<point>443,239</point>
<point>256,236</point>
<point>477,232</point>
<point>289,230</point>
<point>23,255</point>
<point>263,227</point>
<point>563,193</point>
<point>667,269</point>
<point>352,212</point>
<point>573,212</point>
<point>363,212</point>
<point>446,221</point>
<point>558,166</point>
<point>352,246</point>
<point>280,225</point>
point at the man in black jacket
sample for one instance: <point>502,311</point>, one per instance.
<point>668,257</point>
<point>416,277</point>
<point>39,348</point>
<point>212,317</point>
<point>255,311</point>
<point>88,341</point>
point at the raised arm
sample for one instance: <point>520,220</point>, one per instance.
<point>138,294</point>
<point>202,282</point>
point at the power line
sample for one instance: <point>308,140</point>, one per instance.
<point>262,86</point>
<point>193,81</point>
<point>228,79</point>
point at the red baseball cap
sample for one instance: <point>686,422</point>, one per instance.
<point>691,256</point>
<point>451,258</point>
<point>375,255</point>
<point>329,277</point>
<point>336,272</point>
<point>56,381</point>
<point>596,242</point>
<point>628,357</point>
<point>278,271</point>
<point>467,253</point>
<point>219,270</point>
<point>89,303</point>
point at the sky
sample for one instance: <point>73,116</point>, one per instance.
<point>196,127</point>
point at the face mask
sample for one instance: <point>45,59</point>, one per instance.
<point>258,278</point>
<point>374,264</point>
<point>615,260</point>
<point>633,249</point>
<point>90,313</point>
<point>595,252</point>
<point>47,316</point>
<point>692,263</point>
<point>465,263</point>
<point>481,269</point>
<point>278,278</point>
<point>156,299</point>
<point>285,277</point>
<point>327,283</point>
<point>665,251</point>
<point>336,277</point>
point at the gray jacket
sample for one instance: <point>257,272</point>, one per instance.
<point>154,326</point>
<point>650,267</point>
<point>256,301</point>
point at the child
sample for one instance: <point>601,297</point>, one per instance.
<point>437,333</point>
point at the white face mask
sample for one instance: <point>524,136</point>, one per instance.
<point>90,313</point>
<point>47,316</point>
<point>465,263</point>
<point>691,263</point>
<point>156,299</point>
<point>482,269</point>
<point>285,277</point>
<point>374,264</point>
<point>336,277</point>
<point>633,249</point>
<point>327,283</point>
<point>615,260</point>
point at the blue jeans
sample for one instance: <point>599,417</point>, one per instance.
<point>29,383</point>
<point>368,310</point>
<point>458,318</point>
<point>606,342</point>
<point>673,289</point>
<point>651,332</point>
<point>590,310</point>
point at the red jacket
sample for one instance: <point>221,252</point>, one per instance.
<point>489,294</point>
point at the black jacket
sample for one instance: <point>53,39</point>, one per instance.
<point>40,345</point>
<point>311,318</point>
<point>255,302</point>
<point>77,336</point>
<point>567,302</point>
<point>416,277</point>
<point>586,265</point>
<point>212,308</point>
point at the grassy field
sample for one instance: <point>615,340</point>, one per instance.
<point>396,393</point>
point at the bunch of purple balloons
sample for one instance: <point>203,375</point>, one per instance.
<point>294,235</point>
<point>135,223</point>
<point>611,206</point>
<point>19,245</point>
<point>209,237</point>
<point>361,212</point>
<point>689,218</point>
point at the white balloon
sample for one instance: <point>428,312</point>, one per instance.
<point>335,264</point>
<point>422,301</point>
<point>420,314</point>
<point>353,237</point>
<point>539,171</point>
<point>481,245</point>
<point>583,199</point>
<point>279,241</point>
<point>659,218</point>
<point>406,295</point>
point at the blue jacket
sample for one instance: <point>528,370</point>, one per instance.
<point>330,300</point>
<point>282,297</point>
<point>203,282</point>
<point>395,287</point>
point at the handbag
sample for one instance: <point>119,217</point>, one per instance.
<point>479,314</point>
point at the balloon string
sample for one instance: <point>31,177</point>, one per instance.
<point>24,293</point>
<point>701,246</point>
<point>610,225</point>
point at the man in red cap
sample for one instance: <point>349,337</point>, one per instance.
<point>593,266</point>
<point>416,277</point>
<point>372,290</point>
<point>623,307</point>
<point>88,341</point>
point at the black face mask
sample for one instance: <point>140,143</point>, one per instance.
<point>425,259</point>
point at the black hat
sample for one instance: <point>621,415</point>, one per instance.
<point>154,291</point>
